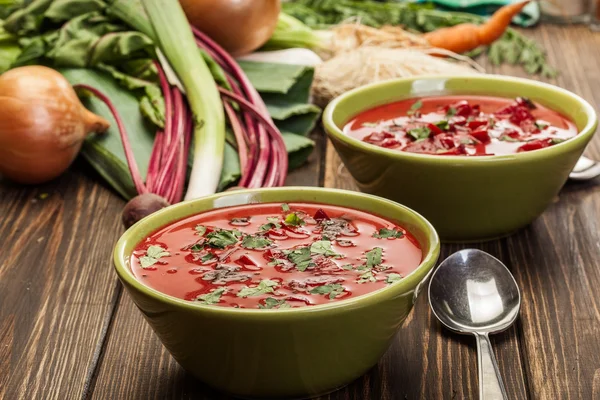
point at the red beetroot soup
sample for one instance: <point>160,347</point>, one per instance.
<point>275,255</point>
<point>462,125</point>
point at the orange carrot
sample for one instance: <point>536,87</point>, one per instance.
<point>465,37</point>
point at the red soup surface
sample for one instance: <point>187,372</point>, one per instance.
<point>462,125</point>
<point>275,255</point>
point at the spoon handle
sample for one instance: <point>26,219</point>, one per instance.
<point>490,381</point>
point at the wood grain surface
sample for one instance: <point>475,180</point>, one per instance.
<point>68,332</point>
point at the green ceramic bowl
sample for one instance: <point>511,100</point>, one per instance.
<point>290,353</point>
<point>465,198</point>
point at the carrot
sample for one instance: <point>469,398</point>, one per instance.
<point>465,37</point>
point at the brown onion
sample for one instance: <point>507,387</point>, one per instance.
<point>42,124</point>
<point>239,26</point>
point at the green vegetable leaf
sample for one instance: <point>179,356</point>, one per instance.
<point>422,132</point>
<point>443,125</point>
<point>374,257</point>
<point>285,207</point>
<point>301,258</point>
<point>347,267</point>
<point>272,224</point>
<point>323,247</point>
<point>292,219</point>
<point>414,107</point>
<point>451,112</point>
<point>207,257</point>
<point>265,286</point>
<point>393,277</point>
<point>153,254</point>
<point>541,125</point>
<point>385,233</point>
<point>212,297</point>
<point>222,238</point>
<point>255,242</point>
<point>367,277</point>
<point>333,290</point>
<point>271,302</point>
<point>200,230</point>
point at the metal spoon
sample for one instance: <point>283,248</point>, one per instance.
<point>585,169</point>
<point>472,292</point>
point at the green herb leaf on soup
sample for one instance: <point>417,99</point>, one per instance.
<point>211,298</point>
<point>443,125</point>
<point>323,247</point>
<point>285,207</point>
<point>370,125</point>
<point>292,219</point>
<point>385,233</point>
<point>301,258</point>
<point>367,277</point>
<point>222,238</point>
<point>422,132</point>
<point>451,112</point>
<point>271,302</point>
<point>255,242</point>
<point>347,267</point>
<point>333,290</point>
<point>207,257</point>
<point>393,277</point>
<point>415,107</point>
<point>541,125</point>
<point>506,138</point>
<point>153,254</point>
<point>200,230</point>
<point>265,286</point>
<point>374,257</point>
<point>272,224</point>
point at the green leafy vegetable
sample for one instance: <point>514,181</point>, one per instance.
<point>292,219</point>
<point>541,125</point>
<point>415,107</point>
<point>393,277</point>
<point>333,290</point>
<point>153,254</point>
<point>347,267</point>
<point>301,258</point>
<point>323,247</point>
<point>212,297</point>
<point>443,125</point>
<point>200,230</point>
<point>374,257</point>
<point>271,302</point>
<point>255,242</point>
<point>285,207</point>
<point>222,238</point>
<point>207,257</point>
<point>385,233</point>
<point>451,112</point>
<point>265,286</point>
<point>367,277</point>
<point>422,132</point>
<point>272,224</point>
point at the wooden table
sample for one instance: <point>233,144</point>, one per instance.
<point>68,331</point>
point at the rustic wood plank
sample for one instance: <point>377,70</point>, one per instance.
<point>155,375</point>
<point>56,285</point>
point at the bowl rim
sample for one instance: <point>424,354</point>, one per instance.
<point>582,137</point>
<point>413,279</point>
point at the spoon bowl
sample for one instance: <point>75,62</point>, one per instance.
<point>472,292</point>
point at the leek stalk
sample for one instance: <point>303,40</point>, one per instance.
<point>177,43</point>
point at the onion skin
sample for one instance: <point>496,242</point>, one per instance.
<point>42,124</point>
<point>239,26</point>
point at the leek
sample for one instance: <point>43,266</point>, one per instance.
<point>177,43</point>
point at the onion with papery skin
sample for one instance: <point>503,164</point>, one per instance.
<point>42,124</point>
<point>239,26</point>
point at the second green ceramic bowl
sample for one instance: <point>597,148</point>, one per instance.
<point>288,353</point>
<point>465,198</point>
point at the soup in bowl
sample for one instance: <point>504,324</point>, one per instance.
<point>265,293</point>
<point>480,157</point>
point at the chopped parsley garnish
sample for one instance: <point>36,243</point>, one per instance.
<point>367,277</point>
<point>211,298</point>
<point>285,207</point>
<point>323,247</point>
<point>255,242</point>
<point>347,267</point>
<point>301,258</point>
<point>265,286</point>
<point>271,302</point>
<point>272,224</point>
<point>541,125</point>
<point>207,257</point>
<point>198,246</point>
<point>374,257</point>
<point>200,230</point>
<point>506,138</point>
<point>443,125</point>
<point>332,290</point>
<point>385,233</point>
<point>370,124</point>
<point>153,254</point>
<point>393,277</point>
<point>422,132</point>
<point>451,112</point>
<point>222,238</point>
<point>292,219</point>
<point>415,107</point>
